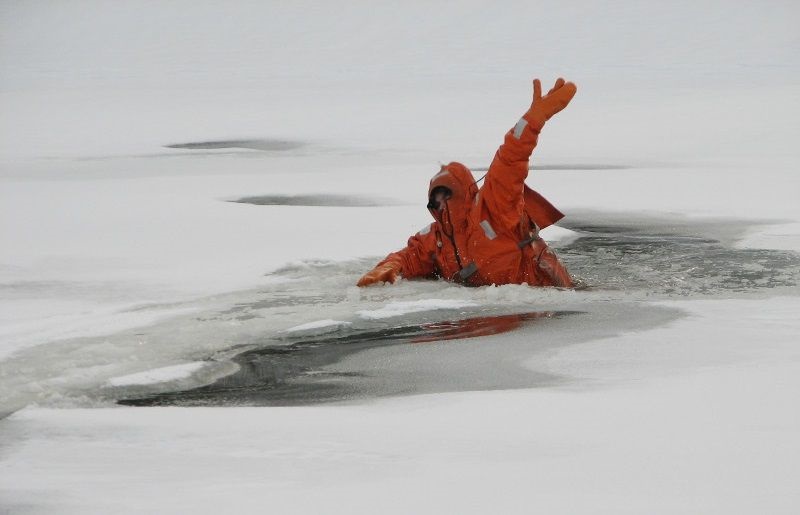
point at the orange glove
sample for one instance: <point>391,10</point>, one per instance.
<point>387,272</point>
<point>544,107</point>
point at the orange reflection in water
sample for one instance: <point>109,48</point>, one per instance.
<point>478,326</point>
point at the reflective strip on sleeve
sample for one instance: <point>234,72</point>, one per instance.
<point>488,229</point>
<point>425,230</point>
<point>519,127</point>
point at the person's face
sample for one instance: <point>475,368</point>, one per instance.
<point>439,197</point>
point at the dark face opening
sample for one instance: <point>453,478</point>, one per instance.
<point>438,196</point>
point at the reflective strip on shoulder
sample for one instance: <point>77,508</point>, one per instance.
<point>425,230</point>
<point>488,229</point>
<point>519,127</point>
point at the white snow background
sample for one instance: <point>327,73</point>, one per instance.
<point>105,231</point>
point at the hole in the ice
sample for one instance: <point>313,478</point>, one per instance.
<point>317,200</point>
<point>295,374</point>
<point>625,256</point>
<point>264,145</point>
<point>672,257</point>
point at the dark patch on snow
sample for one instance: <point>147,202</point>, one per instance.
<point>264,145</point>
<point>317,200</point>
<point>567,167</point>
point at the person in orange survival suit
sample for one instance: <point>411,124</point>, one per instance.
<point>488,235</point>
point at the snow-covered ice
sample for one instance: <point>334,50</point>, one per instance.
<point>188,182</point>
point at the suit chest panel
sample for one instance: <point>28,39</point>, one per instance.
<point>444,256</point>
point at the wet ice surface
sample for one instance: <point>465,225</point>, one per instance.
<point>620,262</point>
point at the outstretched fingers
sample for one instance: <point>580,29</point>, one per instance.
<point>537,90</point>
<point>544,107</point>
<point>559,83</point>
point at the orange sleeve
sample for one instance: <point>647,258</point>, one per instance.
<point>416,259</point>
<point>502,193</point>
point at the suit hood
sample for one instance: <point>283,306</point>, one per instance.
<point>459,180</point>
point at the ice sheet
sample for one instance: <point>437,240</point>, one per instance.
<point>662,416</point>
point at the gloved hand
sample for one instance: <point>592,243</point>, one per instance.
<point>544,107</point>
<point>387,272</point>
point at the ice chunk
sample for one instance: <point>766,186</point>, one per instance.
<point>317,324</point>
<point>158,375</point>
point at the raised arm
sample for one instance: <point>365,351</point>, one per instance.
<point>504,183</point>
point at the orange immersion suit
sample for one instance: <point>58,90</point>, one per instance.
<point>489,235</point>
